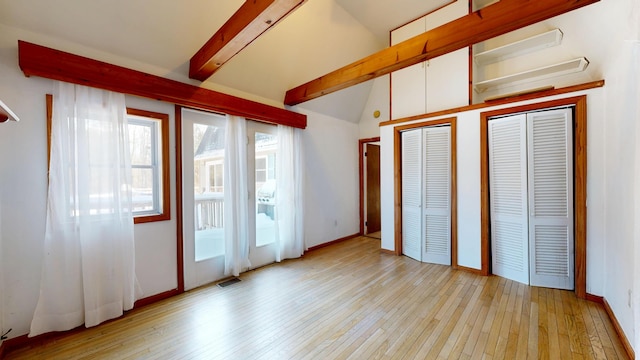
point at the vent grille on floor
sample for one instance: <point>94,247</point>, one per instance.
<point>228,282</point>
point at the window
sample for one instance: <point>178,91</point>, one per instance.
<point>149,146</point>
<point>215,176</point>
<point>148,139</point>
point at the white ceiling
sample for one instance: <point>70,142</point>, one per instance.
<point>380,17</point>
<point>320,36</point>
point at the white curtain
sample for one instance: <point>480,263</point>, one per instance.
<point>236,195</point>
<point>289,206</point>
<point>88,273</point>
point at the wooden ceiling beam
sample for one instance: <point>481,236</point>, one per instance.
<point>36,60</point>
<point>250,21</point>
<point>491,21</point>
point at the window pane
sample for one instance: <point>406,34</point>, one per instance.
<point>208,191</point>
<point>142,189</point>
<point>265,188</point>
<point>141,143</point>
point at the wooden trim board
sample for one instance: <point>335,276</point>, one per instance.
<point>348,237</point>
<point>251,20</point>
<point>36,60</point>
<point>511,100</point>
<point>179,196</point>
<point>616,325</point>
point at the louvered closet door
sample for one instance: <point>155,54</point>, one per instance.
<point>411,193</point>
<point>508,204</point>
<point>436,202</point>
<point>551,199</point>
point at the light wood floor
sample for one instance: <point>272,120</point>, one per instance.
<point>349,301</point>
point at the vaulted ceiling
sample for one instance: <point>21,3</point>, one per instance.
<point>318,37</point>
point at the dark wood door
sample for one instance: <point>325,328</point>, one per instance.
<point>373,188</point>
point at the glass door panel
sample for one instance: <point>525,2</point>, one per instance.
<point>203,200</point>
<point>208,190</point>
<point>263,144</point>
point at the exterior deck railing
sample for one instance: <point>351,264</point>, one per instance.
<point>209,211</point>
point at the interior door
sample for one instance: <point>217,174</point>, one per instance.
<point>261,152</point>
<point>551,199</point>
<point>508,203</point>
<point>412,194</point>
<point>436,201</point>
<point>373,188</point>
<point>203,200</point>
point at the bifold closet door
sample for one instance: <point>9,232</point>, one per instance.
<point>426,194</point>
<point>531,198</point>
<point>551,244</point>
<point>436,202</point>
<point>508,203</point>
<point>412,193</point>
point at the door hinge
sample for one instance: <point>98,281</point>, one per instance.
<point>365,154</point>
<point>366,223</point>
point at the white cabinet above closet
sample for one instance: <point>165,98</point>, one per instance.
<point>437,84</point>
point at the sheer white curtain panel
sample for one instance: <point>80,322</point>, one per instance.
<point>236,203</point>
<point>289,200</point>
<point>88,272</point>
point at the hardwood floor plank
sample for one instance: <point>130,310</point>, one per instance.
<point>349,301</point>
<point>543,325</point>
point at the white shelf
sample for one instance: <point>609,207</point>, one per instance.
<point>563,68</point>
<point>6,113</point>
<point>525,46</point>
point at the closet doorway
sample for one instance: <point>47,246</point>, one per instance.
<point>425,198</point>
<point>550,193</point>
<point>369,159</point>
<point>531,197</point>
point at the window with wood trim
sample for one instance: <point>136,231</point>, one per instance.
<point>149,146</point>
<point>148,140</point>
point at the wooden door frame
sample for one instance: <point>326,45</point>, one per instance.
<point>179,196</point>
<point>361,143</point>
<point>580,184</point>
<point>397,175</point>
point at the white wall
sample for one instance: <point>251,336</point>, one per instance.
<point>378,100</point>
<point>622,187</point>
<point>23,166</point>
<point>330,148</point>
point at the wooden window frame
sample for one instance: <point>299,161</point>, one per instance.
<point>580,184</point>
<point>397,174</point>
<point>165,194</point>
